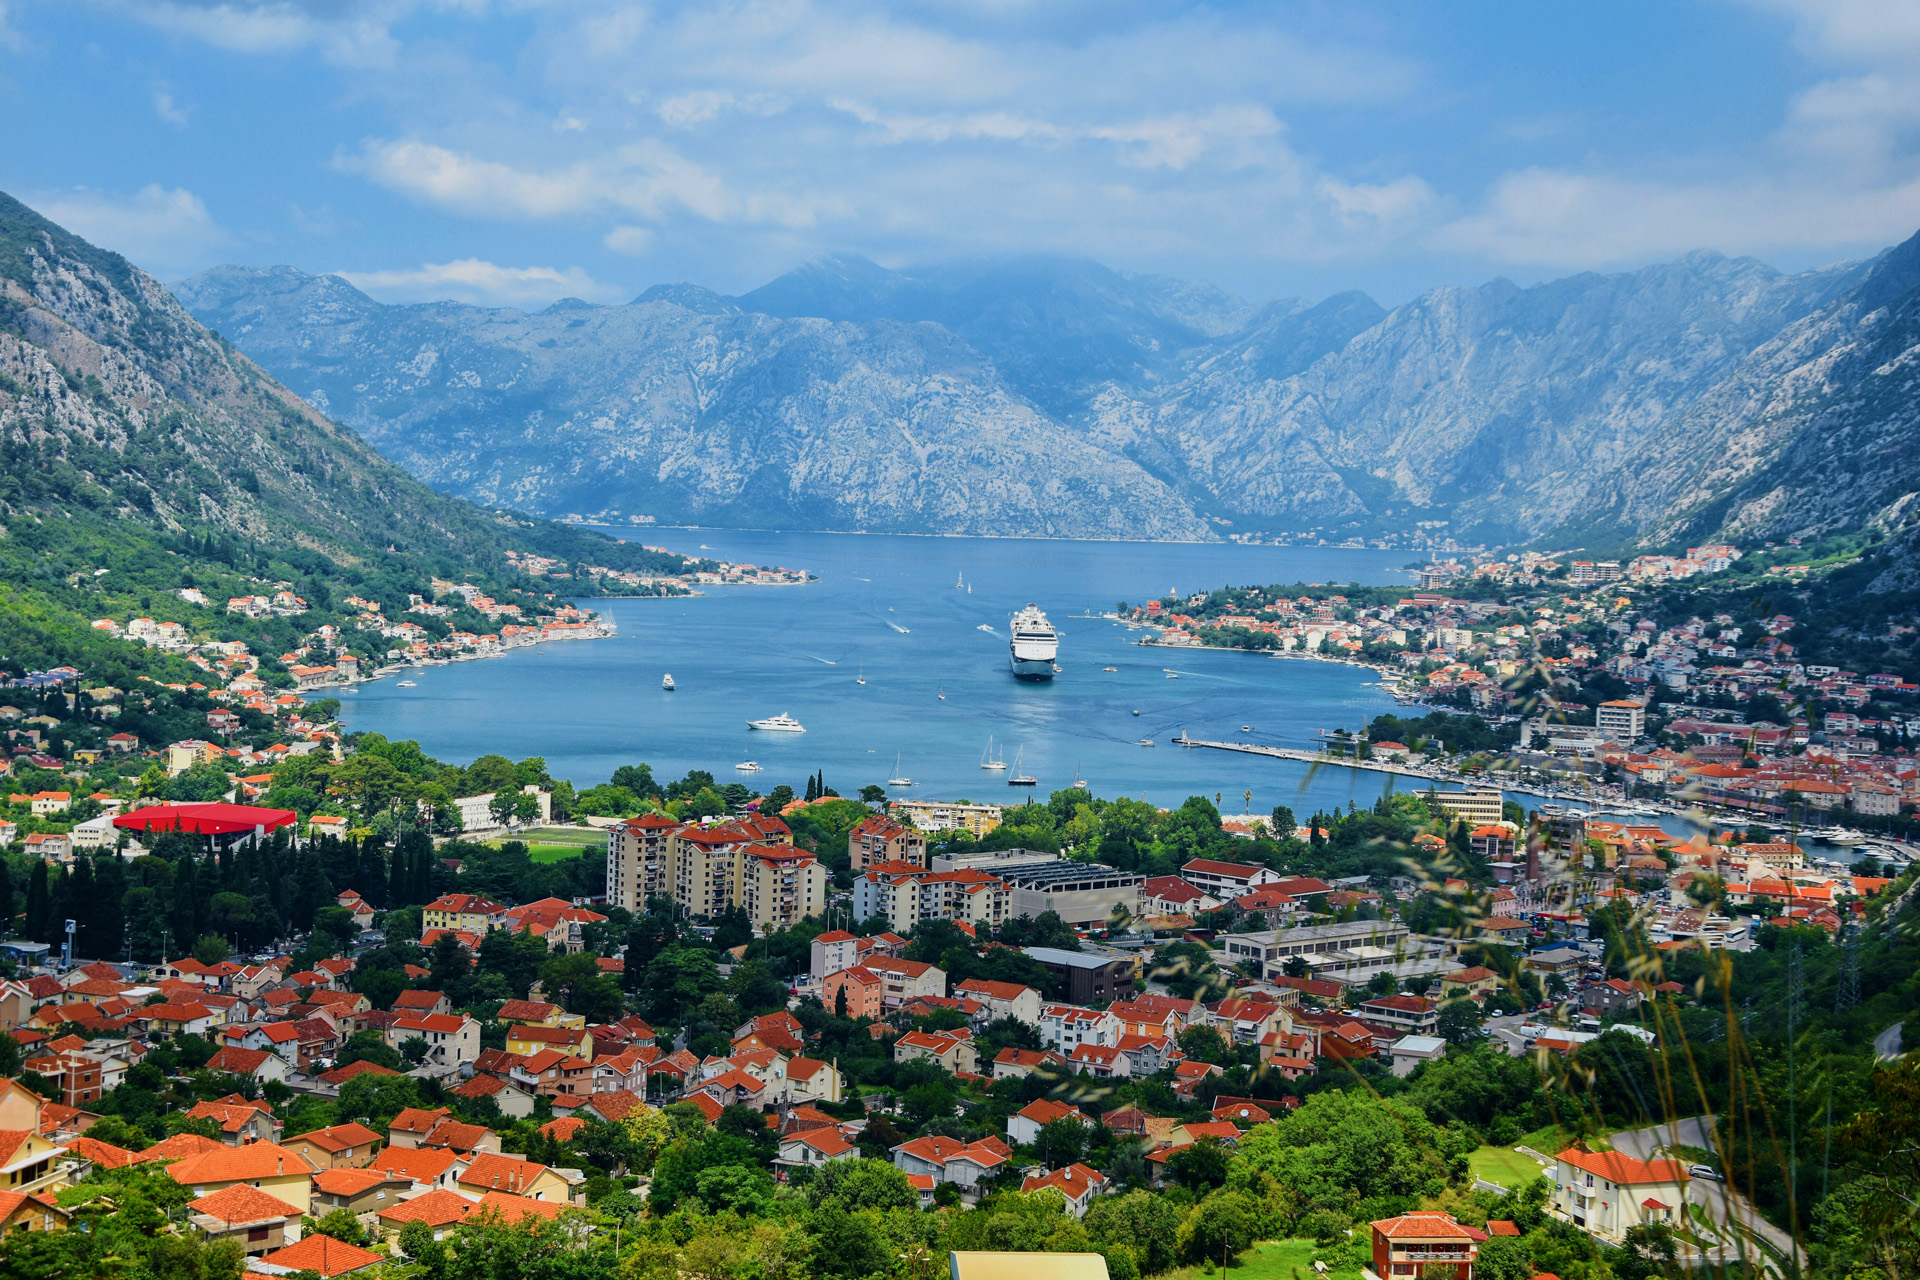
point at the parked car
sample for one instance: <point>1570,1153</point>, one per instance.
<point>1706,1171</point>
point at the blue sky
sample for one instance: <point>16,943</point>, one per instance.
<point>515,151</point>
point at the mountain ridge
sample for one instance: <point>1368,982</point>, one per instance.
<point>844,394</point>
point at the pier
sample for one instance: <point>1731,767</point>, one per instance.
<point>1307,757</point>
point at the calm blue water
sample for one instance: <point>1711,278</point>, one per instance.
<point>887,607</point>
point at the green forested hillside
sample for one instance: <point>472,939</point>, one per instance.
<point>135,441</point>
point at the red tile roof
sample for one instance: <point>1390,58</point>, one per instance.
<point>322,1254</point>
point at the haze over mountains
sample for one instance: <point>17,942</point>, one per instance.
<point>1704,397</point>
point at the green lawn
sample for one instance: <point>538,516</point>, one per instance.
<point>560,852</point>
<point>1553,1139</point>
<point>583,836</point>
<point>1273,1260</point>
<point>1504,1166</point>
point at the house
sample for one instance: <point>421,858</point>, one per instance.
<point>1422,1245</point>
<point>527,1038</point>
<point>514,1100</point>
<point>1226,881</point>
<point>266,1166</point>
<point>904,980</point>
<point>22,1212</point>
<point>496,1172</point>
<point>854,993</point>
<point>460,913</point>
<point>812,1148</point>
<point>1607,1193</point>
<point>32,1162</point>
<point>811,1080</point>
<point>1611,996</point>
<point>1172,896</point>
<point>258,1220</point>
<point>340,1146</point>
<point>1024,1125</point>
<point>1409,1052</point>
<point>1078,1183</point>
<point>256,1064</point>
<point>538,1013</point>
<point>1002,1000</point>
<point>323,1255</point>
<point>1405,1013</point>
<point>240,1121</point>
<point>1476,982</point>
<point>440,1209</point>
<point>423,1002</point>
<point>451,1039</point>
<point>429,1170</point>
<point>356,1190</point>
<point>1011,1062</point>
<point>879,840</point>
<point>1063,1027</point>
<point>953,1050</point>
<point>950,1160</point>
<point>1088,977</point>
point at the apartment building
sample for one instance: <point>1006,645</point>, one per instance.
<point>781,886</point>
<point>940,815</point>
<point>878,840</point>
<point>905,894</point>
<point>637,857</point>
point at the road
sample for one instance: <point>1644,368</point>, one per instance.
<point>1887,1043</point>
<point>1720,1201</point>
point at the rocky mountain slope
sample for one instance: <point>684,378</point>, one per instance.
<point>1699,397</point>
<point>128,433</point>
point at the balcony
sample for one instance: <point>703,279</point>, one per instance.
<point>1430,1255</point>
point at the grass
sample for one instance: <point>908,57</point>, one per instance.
<point>1272,1260</point>
<point>557,844</point>
<point>1504,1166</point>
<point>557,852</point>
<point>1554,1139</point>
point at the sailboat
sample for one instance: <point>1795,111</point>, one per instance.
<point>1021,779</point>
<point>988,758</point>
<point>1078,781</point>
<point>943,693</point>
<point>898,779</point>
<point>666,682</point>
<point>862,677</point>
<point>959,580</point>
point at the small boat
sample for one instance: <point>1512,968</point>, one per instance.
<point>1246,728</point>
<point>959,581</point>
<point>1109,668</point>
<point>989,760</point>
<point>861,679</point>
<point>1057,668</point>
<point>1136,712</point>
<point>1146,742</point>
<point>984,627</point>
<point>782,723</point>
<point>1021,779</point>
<point>943,693</point>
<point>747,766</point>
<point>407,684</point>
<point>1171,675</point>
<point>1078,781</point>
<point>666,682</point>
<point>898,779</point>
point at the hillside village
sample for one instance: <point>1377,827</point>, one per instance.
<point>446,1055</point>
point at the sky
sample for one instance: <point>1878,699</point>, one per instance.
<point>512,152</point>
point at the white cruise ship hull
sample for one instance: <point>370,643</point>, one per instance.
<point>1032,668</point>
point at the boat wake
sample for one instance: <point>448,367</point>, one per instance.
<point>902,630</point>
<point>828,661</point>
<point>984,627</point>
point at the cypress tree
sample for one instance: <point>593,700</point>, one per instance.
<point>423,875</point>
<point>7,905</point>
<point>399,883</point>
<point>39,902</point>
<point>110,911</point>
<point>184,907</point>
<point>82,899</point>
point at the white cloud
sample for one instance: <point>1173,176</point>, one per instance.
<point>346,34</point>
<point>630,240</point>
<point>1387,205</point>
<point>647,179</point>
<point>168,110</point>
<point>169,232</point>
<point>484,284</point>
<point>1557,218</point>
<point>9,38</point>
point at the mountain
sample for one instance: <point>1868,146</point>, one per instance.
<point>139,452</point>
<point>681,407</point>
<point>1709,396</point>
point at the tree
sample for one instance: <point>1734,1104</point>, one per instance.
<point>1200,1165</point>
<point>1460,1022</point>
<point>575,982</point>
<point>871,794</point>
<point>777,799</point>
<point>211,948</point>
<point>1221,1227</point>
<point>861,1184</point>
<point>342,1225</point>
<point>1284,823</point>
<point>414,1049</point>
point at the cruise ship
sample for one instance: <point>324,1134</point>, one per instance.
<point>1034,645</point>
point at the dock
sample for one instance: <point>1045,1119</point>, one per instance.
<point>1306,757</point>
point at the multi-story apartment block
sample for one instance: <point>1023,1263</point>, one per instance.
<point>781,886</point>
<point>905,894</point>
<point>751,864</point>
<point>877,840</point>
<point>637,852</point>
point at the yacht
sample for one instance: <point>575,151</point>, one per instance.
<point>666,682</point>
<point>782,723</point>
<point>1033,646</point>
<point>861,679</point>
<point>404,684</point>
<point>1078,781</point>
<point>1146,742</point>
<point>1109,668</point>
<point>1021,779</point>
<point>989,759</point>
<point>1170,673</point>
<point>898,779</point>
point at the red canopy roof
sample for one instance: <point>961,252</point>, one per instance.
<point>206,819</point>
